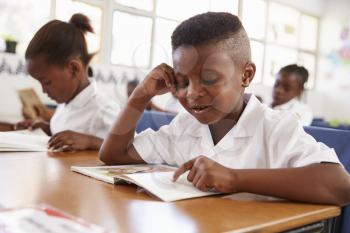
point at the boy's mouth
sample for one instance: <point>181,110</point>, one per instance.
<point>200,108</point>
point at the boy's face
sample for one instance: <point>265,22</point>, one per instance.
<point>209,84</point>
<point>285,89</point>
<point>56,81</point>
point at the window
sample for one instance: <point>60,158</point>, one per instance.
<point>253,10</point>
<point>131,40</point>
<point>258,58</point>
<point>138,4</point>
<point>19,19</point>
<point>275,58</point>
<point>141,29</point>
<point>162,42</point>
<point>283,25</point>
<point>66,8</point>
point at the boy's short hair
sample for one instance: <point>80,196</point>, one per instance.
<point>214,27</point>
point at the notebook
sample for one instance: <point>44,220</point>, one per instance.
<point>156,179</point>
<point>24,140</point>
<point>43,219</point>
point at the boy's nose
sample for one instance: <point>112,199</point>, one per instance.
<point>194,90</point>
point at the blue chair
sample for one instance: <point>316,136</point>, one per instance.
<point>153,120</point>
<point>340,141</point>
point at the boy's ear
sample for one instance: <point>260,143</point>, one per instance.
<point>75,67</point>
<point>248,74</point>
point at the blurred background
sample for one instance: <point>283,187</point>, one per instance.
<point>132,36</point>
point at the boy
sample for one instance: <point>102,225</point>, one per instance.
<point>228,141</point>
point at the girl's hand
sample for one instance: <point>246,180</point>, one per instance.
<point>31,125</point>
<point>206,174</point>
<point>71,141</point>
<point>159,81</point>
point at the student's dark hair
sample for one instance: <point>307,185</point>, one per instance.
<point>58,41</point>
<point>300,73</point>
<point>214,27</point>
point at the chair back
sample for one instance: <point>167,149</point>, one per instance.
<point>340,141</point>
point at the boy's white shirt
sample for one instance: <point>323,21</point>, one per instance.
<point>302,110</point>
<point>262,138</point>
<point>89,112</point>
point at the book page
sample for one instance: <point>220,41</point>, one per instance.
<point>114,174</point>
<point>13,141</point>
<point>161,185</point>
<point>43,219</point>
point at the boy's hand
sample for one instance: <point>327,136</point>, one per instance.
<point>69,141</point>
<point>206,174</point>
<point>159,81</point>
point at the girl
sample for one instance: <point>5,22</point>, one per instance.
<point>288,88</point>
<point>57,57</point>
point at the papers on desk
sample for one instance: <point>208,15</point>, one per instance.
<point>156,179</point>
<point>43,219</point>
<point>24,140</point>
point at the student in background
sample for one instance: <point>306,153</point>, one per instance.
<point>228,141</point>
<point>288,88</point>
<point>57,57</point>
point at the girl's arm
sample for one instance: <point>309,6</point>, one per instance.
<point>117,147</point>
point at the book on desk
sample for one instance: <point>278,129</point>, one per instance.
<point>24,141</point>
<point>156,179</point>
<point>43,219</point>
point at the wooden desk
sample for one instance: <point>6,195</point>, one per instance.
<point>33,178</point>
<point>4,126</point>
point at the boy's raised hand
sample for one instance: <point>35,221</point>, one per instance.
<point>159,81</point>
<point>206,174</point>
<point>70,141</point>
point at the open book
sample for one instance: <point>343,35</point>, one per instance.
<point>156,179</point>
<point>24,140</point>
<point>43,219</point>
<point>32,104</point>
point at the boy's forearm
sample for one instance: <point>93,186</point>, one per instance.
<point>317,183</point>
<point>115,146</point>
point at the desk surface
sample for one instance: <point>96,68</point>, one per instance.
<point>33,178</point>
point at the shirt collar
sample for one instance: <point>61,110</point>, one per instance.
<point>246,125</point>
<point>84,96</point>
<point>287,105</point>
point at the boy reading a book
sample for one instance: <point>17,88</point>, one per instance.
<point>58,58</point>
<point>228,140</point>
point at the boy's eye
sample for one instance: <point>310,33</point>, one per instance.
<point>208,81</point>
<point>208,78</point>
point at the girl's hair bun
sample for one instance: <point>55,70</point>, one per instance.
<point>82,22</point>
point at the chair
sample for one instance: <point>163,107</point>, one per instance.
<point>153,120</point>
<point>340,141</point>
